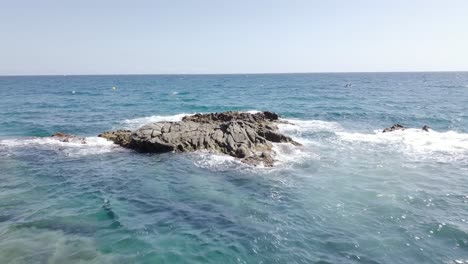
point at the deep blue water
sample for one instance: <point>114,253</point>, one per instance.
<point>350,195</point>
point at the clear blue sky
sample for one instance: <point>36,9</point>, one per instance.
<point>209,36</point>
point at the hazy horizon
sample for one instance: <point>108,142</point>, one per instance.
<point>234,73</point>
<point>265,37</point>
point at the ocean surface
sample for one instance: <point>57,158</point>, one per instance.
<point>350,195</point>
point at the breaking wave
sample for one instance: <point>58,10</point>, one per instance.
<point>415,140</point>
<point>141,121</point>
<point>443,146</point>
<point>76,147</point>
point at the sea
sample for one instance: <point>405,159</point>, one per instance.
<point>350,194</point>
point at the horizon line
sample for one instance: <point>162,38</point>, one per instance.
<point>251,73</point>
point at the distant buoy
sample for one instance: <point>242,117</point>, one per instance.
<point>73,92</point>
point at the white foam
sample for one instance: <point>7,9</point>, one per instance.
<point>297,126</point>
<point>209,160</point>
<point>141,121</point>
<point>285,155</point>
<point>304,130</point>
<point>76,147</point>
<point>442,146</point>
<point>288,154</point>
<point>415,141</point>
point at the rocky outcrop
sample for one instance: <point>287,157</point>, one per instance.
<point>247,136</point>
<point>393,128</point>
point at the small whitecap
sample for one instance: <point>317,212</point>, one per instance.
<point>252,111</point>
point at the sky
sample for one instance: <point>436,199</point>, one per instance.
<point>55,37</point>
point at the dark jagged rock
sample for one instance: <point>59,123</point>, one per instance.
<point>426,128</point>
<point>247,136</point>
<point>393,128</point>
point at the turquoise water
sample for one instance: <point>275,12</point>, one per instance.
<point>350,195</point>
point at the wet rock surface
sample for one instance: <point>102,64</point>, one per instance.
<point>247,136</point>
<point>393,128</point>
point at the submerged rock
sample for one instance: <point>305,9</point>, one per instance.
<point>400,127</point>
<point>247,136</point>
<point>393,128</point>
<point>68,138</point>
